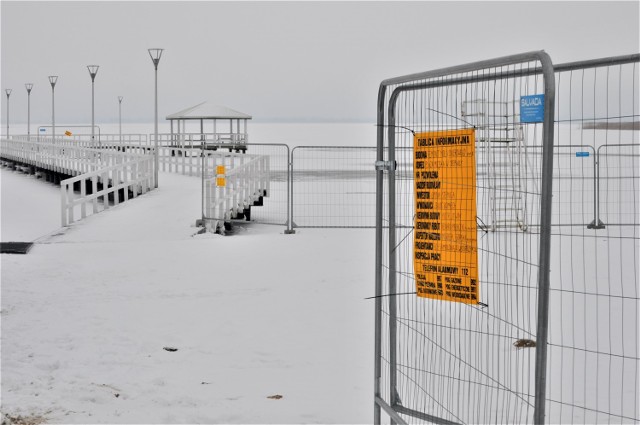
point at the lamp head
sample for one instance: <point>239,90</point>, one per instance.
<point>28,86</point>
<point>155,56</point>
<point>93,70</point>
<point>8,92</point>
<point>53,79</point>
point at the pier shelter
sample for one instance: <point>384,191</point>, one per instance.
<point>225,127</point>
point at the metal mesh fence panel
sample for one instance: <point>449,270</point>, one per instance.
<point>275,209</point>
<point>593,355</point>
<point>333,186</point>
<point>441,360</point>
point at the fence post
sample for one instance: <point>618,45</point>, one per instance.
<point>289,230</point>
<point>545,238</point>
<point>596,224</point>
<point>378,256</point>
<point>63,203</point>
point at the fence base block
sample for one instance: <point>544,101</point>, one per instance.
<point>596,225</point>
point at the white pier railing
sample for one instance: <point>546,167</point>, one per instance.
<point>93,191</point>
<point>232,141</point>
<point>98,176</point>
<point>237,183</point>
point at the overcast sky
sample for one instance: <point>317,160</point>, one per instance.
<point>293,61</point>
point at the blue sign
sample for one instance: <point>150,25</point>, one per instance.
<point>42,130</point>
<point>532,108</point>
<point>582,154</point>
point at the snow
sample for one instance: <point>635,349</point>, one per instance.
<point>30,207</point>
<point>86,314</point>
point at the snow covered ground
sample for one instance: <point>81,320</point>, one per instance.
<point>87,313</point>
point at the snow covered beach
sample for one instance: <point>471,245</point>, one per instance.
<point>86,316</point>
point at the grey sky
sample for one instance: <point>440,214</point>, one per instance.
<point>305,61</point>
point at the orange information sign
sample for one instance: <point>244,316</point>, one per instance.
<point>445,249</point>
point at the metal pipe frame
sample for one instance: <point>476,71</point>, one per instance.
<point>547,70</point>
<point>29,87</point>
<point>8,92</point>
<point>120,117</point>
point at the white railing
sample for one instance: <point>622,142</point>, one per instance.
<point>195,140</point>
<point>133,177</point>
<point>60,156</point>
<point>226,196</point>
<point>189,161</point>
<point>99,174</point>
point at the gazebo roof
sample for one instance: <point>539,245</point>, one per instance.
<point>208,111</point>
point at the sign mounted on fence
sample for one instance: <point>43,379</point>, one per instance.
<point>445,253</point>
<point>532,108</point>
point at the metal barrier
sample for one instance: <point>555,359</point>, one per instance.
<point>333,186</point>
<point>593,352</point>
<point>448,355</point>
<point>444,362</point>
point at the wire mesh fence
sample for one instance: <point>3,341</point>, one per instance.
<point>458,270</point>
<point>333,186</point>
<point>445,362</point>
<point>276,206</point>
<point>593,355</point>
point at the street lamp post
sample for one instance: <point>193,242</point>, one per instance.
<point>8,92</point>
<point>155,58</point>
<point>93,70</point>
<point>53,79</point>
<point>120,117</point>
<point>28,86</point>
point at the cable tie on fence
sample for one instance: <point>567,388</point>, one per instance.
<point>391,295</point>
<point>452,116</point>
<point>483,305</point>
<point>482,226</point>
<point>398,126</point>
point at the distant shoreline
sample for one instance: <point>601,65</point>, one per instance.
<point>604,125</point>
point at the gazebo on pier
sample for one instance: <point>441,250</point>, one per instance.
<point>222,135</point>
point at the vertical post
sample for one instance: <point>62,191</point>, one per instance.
<point>596,224</point>
<point>63,204</point>
<point>378,255</point>
<point>53,79</point>
<point>28,86</point>
<point>545,239</point>
<point>120,118</point>
<point>289,230</point>
<point>8,92</point>
<point>156,160</point>
<point>155,58</point>
<point>391,177</point>
<point>93,134</point>
<point>202,171</point>
<point>93,70</point>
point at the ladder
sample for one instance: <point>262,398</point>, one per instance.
<point>501,159</point>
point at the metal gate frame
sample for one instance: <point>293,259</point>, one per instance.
<point>411,83</point>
